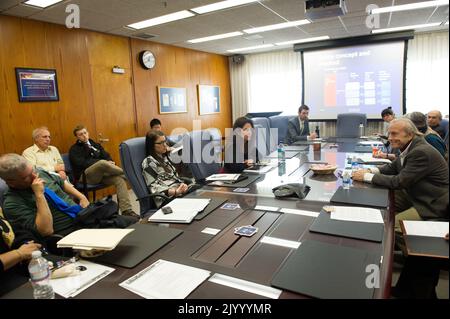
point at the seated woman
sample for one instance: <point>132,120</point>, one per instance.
<point>159,172</point>
<point>241,151</point>
<point>12,274</point>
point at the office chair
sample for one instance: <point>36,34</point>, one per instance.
<point>82,185</point>
<point>201,144</point>
<point>348,124</point>
<point>132,153</point>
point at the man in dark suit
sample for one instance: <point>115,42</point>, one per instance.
<point>419,176</point>
<point>298,128</point>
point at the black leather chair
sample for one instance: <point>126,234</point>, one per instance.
<point>82,186</point>
<point>132,153</point>
<point>347,124</point>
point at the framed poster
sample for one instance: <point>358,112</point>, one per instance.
<point>172,100</point>
<point>208,99</point>
<point>37,85</point>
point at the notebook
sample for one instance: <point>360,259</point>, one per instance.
<point>183,210</point>
<point>87,239</point>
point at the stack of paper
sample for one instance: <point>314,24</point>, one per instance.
<point>183,210</point>
<point>425,228</point>
<point>223,177</point>
<point>166,280</point>
<point>72,286</point>
<point>87,239</point>
<point>258,169</point>
<point>357,214</point>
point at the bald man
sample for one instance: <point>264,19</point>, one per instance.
<point>434,119</point>
<point>43,155</point>
<point>419,175</point>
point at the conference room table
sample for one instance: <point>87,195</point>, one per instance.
<point>249,258</point>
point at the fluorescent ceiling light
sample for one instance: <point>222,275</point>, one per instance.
<point>256,47</point>
<point>408,27</point>
<point>325,37</point>
<point>221,5</point>
<point>162,19</point>
<point>277,26</point>
<point>42,3</point>
<point>410,6</point>
<point>216,37</point>
<point>446,23</point>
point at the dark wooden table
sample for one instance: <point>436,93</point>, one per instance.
<point>246,257</point>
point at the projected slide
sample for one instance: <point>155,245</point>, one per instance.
<point>362,79</point>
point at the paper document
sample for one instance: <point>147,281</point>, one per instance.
<point>425,228</point>
<point>183,210</point>
<point>371,143</point>
<point>104,239</point>
<point>299,212</point>
<point>357,214</point>
<point>245,285</point>
<point>280,242</point>
<point>90,273</point>
<point>223,177</point>
<point>166,280</point>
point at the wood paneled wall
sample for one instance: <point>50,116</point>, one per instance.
<point>179,67</point>
<point>114,106</point>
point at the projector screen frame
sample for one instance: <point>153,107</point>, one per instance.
<point>348,42</point>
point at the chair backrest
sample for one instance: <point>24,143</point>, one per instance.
<point>203,143</point>
<point>281,123</point>
<point>348,124</point>
<point>132,153</point>
<point>262,127</point>
<point>3,190</point>
<point>67,165</point>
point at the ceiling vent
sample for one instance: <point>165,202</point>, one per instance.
<point>144,36</point>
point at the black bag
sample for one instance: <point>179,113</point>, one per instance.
<point>291,190</point>
<point>103,213</point>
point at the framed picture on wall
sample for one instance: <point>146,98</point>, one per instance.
<point>172,100</point>
<point>208,99</point>
<point>37,85</point>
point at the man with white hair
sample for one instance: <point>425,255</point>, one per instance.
<point>434,119</point>
<point>419,176</point>
<point>43,155</point>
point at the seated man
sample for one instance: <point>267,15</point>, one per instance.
<point>98,166</point>
<point>419,176</point>
<point>40,202</point>
<point>155,125</point>
<point>43,155</point>
<point>436,123</point>
<point>432,137</point>
<point>298,128</point>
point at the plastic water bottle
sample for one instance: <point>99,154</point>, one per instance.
<point>281,153</point>
<point>346,180</point>
<point>355,165</point>
<point>40,277</point>
<point>317,131</point>
<point>361,130</point>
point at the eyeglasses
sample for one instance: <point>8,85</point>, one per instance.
<point>162,142</point>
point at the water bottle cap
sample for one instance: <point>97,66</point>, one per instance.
<point>36,254</point>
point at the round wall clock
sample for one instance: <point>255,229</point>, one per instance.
<point>147,59</point>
